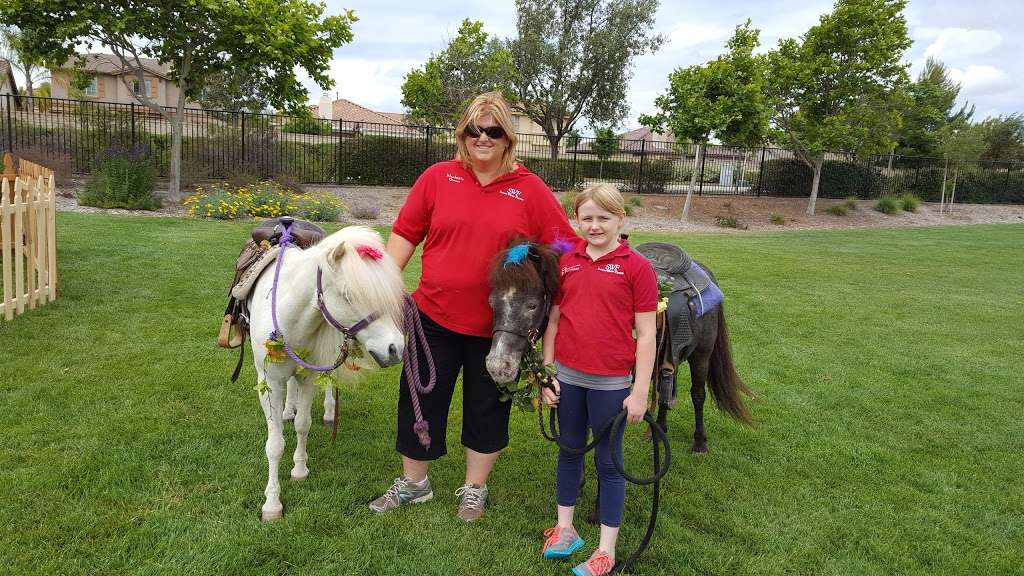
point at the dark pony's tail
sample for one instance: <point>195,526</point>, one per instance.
<point>726,386</point>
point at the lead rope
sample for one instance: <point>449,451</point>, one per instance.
<point>410,367</point>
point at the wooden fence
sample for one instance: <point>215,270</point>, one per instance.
<point>28,240</point>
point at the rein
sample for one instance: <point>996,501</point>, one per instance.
<point>410,368</point>
<point>349,332</point>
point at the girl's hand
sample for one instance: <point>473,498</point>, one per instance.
<point>635,406</point>
<point>549,396</point>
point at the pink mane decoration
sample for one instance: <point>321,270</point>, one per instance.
<point>369,252</point>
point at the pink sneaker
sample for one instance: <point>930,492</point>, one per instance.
<point>598,564</point>
<point>561,542</point>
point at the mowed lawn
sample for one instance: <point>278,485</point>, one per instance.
<point>888,440</point>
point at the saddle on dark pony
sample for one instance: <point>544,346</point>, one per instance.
<point>694,292</point>
<point>258,253</point>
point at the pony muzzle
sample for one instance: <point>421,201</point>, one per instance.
<point>393,356</point>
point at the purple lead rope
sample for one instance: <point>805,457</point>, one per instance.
<point>416,337</point>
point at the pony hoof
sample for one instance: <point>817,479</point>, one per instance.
<point>271,515</point>
<point>700,448</point>
<point>594,518</point>
<point>296,477</point>
<point>328,422</point>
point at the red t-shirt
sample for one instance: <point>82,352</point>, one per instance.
<point>465,226</point>
<point>597,303</point>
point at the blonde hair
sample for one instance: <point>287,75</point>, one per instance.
<point>606,196</point>
<point>494,104</point>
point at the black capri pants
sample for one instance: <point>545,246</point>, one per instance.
<point>484,417</point>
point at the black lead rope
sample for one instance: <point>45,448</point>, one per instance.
<point>658,436</point>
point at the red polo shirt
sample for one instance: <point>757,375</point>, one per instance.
<point>465,225</point>
<point>597,303</point>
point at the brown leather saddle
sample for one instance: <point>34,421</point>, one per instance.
<point>234,328</point>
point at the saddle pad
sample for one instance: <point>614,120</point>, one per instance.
<point>685,306</point>
<point>241,290</point>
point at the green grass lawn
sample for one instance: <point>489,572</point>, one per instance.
<point>888,440</point>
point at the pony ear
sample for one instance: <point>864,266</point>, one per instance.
<point>338,252</point>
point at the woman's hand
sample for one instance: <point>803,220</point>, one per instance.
<point>549,396</point>
<point>635,406</point>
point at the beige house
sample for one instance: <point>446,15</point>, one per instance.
<point>109,80</point>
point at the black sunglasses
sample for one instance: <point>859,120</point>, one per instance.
<point>493,132</point>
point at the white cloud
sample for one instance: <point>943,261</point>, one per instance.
<point>958,43</point>
<point>689,34</point>
<point>981,78</point>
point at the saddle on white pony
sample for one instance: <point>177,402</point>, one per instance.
<point>259,252</point>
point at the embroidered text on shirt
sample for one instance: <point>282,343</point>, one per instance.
<point>513,193</point>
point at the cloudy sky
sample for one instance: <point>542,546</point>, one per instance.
<point>978,43</point>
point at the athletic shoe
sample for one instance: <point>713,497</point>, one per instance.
<point>598,564</point>
<point>561,542</point>
<point>402,492</point>
<point>472,499</point>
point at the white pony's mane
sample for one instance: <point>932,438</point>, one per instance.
<point>372,285</point>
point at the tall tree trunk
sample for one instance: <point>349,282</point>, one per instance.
<point>942,197</point>
<point>174,171</point>
<point>814,185</point>
<point>693,180</point>
<point>952,194</point>
<point>553,140</point>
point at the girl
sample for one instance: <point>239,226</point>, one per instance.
<point>607,290</point>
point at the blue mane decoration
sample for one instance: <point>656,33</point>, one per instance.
<point>516,254</point>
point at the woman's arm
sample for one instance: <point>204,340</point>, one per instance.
<point>400,250</point>
<point>636,403</point>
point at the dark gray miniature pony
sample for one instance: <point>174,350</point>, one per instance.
<point>521,297</point>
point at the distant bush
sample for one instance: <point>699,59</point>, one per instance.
<point>837,210</point>
<point>261,200</point>
<point>777,219</point>
<point>851,203</point>
<point>122,179</point>
<point>909,202</point>
<point>888,205</point>
<point>790,177</point>
<point>306,125</point>
<point>730,222</point>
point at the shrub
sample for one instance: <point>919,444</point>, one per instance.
<point>121,180</point>
<point>730,222</point>
<point>321,207</point>
<point>635,201</point>
<point>657,176</point>
<point>790,177</point>
<point>851,203</point>
<point>837,210</point>
<point>909,202</point>
<point>888,205</point>
<point>262,200</point>
<point>777,219</point>
<point>568,202</point>
<point>306,125</point>
<point>365,211</point>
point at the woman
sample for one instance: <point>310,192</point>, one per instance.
<point>466,210</point>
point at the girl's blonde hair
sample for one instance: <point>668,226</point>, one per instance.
<point>606,196</point>
<point>492,103</point>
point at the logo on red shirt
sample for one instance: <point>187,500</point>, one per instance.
<point>513,193</point>
<point>454,178</point>
<point>567,269</point>
<point>612,268</point>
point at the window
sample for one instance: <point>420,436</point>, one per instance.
<point>148,87</point>
<point>93,88</point>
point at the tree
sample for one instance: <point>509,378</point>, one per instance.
<point>198,39</point>
<point>235,90</point>
<point>723,98</point>
<point>1004,138</point>
<point>930,108</point>
<point>15,51</point>
<point>604,145</point>
<point>835,89</point>
<point>473,63</point>
<point>574,59</point>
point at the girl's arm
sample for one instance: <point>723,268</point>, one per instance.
<point>548,346</point>
<point>636,403</point>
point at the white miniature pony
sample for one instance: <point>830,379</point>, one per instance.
<point>344,288</point>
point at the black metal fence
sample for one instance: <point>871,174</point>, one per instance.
<point>219,144</point>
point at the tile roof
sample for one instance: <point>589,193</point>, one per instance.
<point>110,64</point>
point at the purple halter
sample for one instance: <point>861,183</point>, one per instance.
<point>350,332</point>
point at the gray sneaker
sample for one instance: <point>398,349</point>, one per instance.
<point>403,491</point>
<point>472,499</point>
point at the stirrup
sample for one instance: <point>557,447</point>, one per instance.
<point>228,338</point>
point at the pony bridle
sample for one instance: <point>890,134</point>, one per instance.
<point>349,332</point>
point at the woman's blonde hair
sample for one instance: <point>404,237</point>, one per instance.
<point>606,196</point>
<point>492,103</point>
